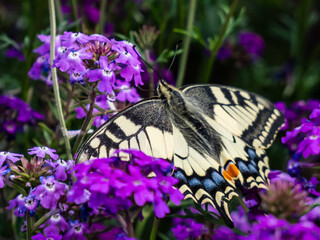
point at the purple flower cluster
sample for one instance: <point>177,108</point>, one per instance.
<point>92,58</point>
<point>15,52</point>
<point>252,43</point>
<point>15,113</point>
<point>267,227</point>
<point>48,193</point>
<point>187,229</point>
<point>5,158</point>
<point>296,112</point>
<point>304,141</point>
<point>247,43</point>
<point>114,185</point>
<point>104,187</point>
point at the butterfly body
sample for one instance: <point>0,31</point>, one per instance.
<point>215,135</point>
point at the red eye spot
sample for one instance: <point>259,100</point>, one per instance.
<point>226,175</point>
<point>232,170</point>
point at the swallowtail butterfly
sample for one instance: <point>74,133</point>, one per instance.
<point>215,135</point>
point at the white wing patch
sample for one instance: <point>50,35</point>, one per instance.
<point>144,143</point>
<point>128,126</point>
<point>111,136</point>
<point>180,144</point>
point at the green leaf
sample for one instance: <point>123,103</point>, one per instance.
<point>7,41</point>
<point>166,54</point>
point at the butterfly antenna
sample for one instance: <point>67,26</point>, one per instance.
<point>134,48</point>
<point>175,53</point>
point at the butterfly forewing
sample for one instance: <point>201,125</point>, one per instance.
<point>144,126</point>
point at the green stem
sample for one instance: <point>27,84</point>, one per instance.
<point>84,127</point>
<point>59,11</point>
<point>218,44</point>
<point>150,71</point>
<point>154,229</point>
<point>102,16</point>
<point>75,13</point>
<point>29,226</point>
<point>244,206</point>
<point>55,79</point>
<point>186,42</point>
<point>45,218</point>
<point>129,226</point>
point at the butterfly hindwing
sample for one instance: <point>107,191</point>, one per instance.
<point>144,126</point>
<point>244,114</point>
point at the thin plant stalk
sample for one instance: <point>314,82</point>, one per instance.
<point>102,15</point>
<point>218,44</point>
<point>243,205</point>
<point>75,13</point>
<point>129,226</point>
<point>86,123</point>
<point>186,42</point>
<point>55,79</point>
<point>154,229</point>
<point>29,226</point>
<point>59,11</point>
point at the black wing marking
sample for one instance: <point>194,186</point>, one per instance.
<point>144,126</point>
<point>244,114</point>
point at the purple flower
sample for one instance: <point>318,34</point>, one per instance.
<point>132,72</point>
<point>296,112</point>
<point>266,227</point>
<point>30,203</point>
<point>303,230</point>
<point>305,139</point>
<point>225,233</point>
<point>252,43</point>
<point>90,59</point>
<point>50,236</point>
<point>49,192</point>
<point>310,145</point>
<point>127,93</point>
<point>72,61</point>
<point>58,221</point>
<point>91,12</point>
<point>15,113</point>
<point>241,220</point>
<point>14,157</point>
<point>311,186</point>
<point>79,194</point>
<point>225,51</point>
<point>3,171</point>
<point>61,167</point>
<point>76,231</point>
<point>15,53</point>
<point>312,216</point>
<point>77,77</point>
<point>40,67</point>
<point>115,233</point>
<point>114,184</point>
<point>69,38</point>
<point>105,74</point>
<point>187,229</point>
<point>42,151</point>
<point>269,227</point>
<point>16,203</point>
<point>10,127</point>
